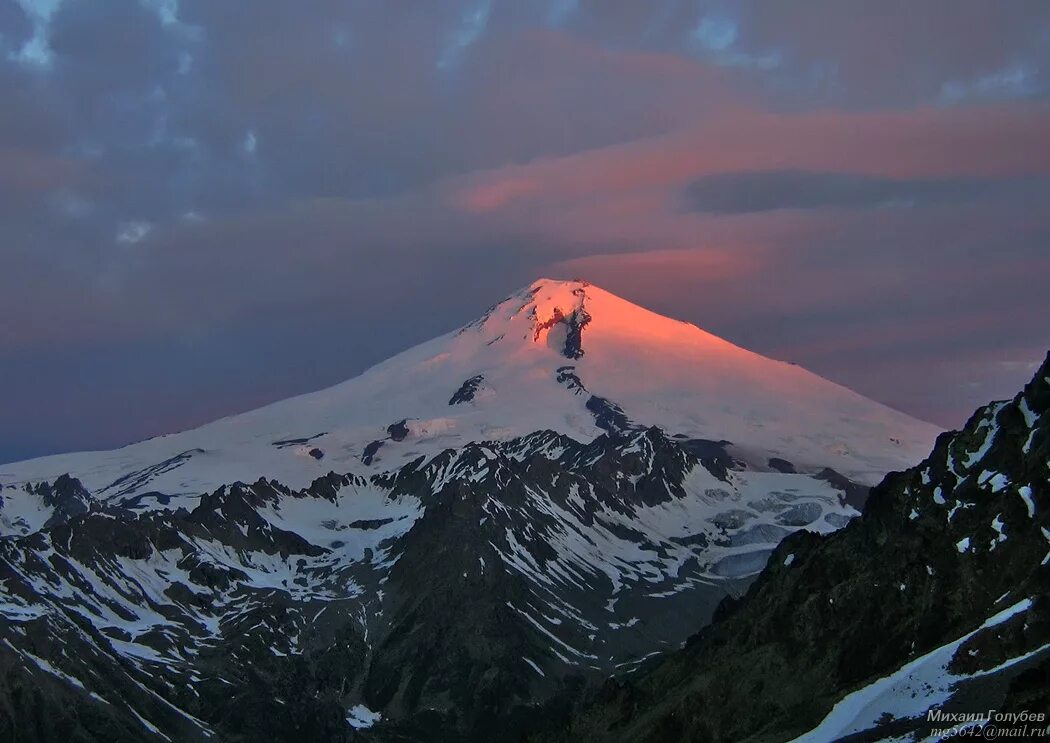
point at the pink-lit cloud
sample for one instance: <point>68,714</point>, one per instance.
<point>861,192</point>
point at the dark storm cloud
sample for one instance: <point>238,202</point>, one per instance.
<point>738,193</point>
<point>207,205</point>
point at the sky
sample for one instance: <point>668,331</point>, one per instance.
<point>205,207</point>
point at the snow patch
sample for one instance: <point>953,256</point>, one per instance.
<point>922,684</point>
<point>361,718</point>
<point>1026,495</point>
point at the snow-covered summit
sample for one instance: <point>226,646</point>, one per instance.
<point>559,355</point>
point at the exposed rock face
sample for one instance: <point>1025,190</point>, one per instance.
<point>368,455</point>
<point>68,498</point>
<point>398,431</point>
<point>570,321</point>
<point>552,494</point>
<point>453,596</point>
<point>957,543</point>
<point>467,390</point>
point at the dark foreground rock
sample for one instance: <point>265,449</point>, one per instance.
<point>939,549</point>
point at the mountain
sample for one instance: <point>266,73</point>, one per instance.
<point>448,546</point>
<point>550,357</point>
<point>936,600</point>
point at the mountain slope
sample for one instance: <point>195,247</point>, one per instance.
<point>445,546</point>
<point>938,597</point>
<point>549,357</point>
<point>530,562</point>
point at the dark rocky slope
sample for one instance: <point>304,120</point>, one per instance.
<point>460,597</point>
<point>939,549</point>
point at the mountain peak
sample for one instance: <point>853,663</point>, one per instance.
<point>562,314</point>
<point>563,356</point>
<point>559,315</point>
<point>556,284</point>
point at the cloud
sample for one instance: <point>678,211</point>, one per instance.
<point>717,37</point>
<point>561,10</point>
<point>133,232</point>
<point>1016,81</point>
<point>191,186</point>
<point>36,49</point>
<point>737,193</point>
<point>469,29</point>
<point>32,171</point>
<point>846,53</point>
<point>665,192</point>
<point>970,143</point>
<point>167,10</point>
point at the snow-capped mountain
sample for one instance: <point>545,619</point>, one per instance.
<point>447,542</point>
<point>559,356</point>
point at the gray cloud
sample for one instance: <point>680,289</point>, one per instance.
<point>739,193</point>
<point>190,189</point>
<point>898,53</point>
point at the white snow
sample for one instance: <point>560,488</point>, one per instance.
<point>922,684</point>
<point>733,550</point>
<point>22,512</point>
<point>328,523</point>
<point>360,717</point>
<point>963,544</point>
<point>46,666</point>
<point>660,371</point>
<point>148,725</point>
<point>1026,495</point>
<point>1000,535</point>
<point>997,481</point>
<point>1030,417</point>
<point>992,426</point>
